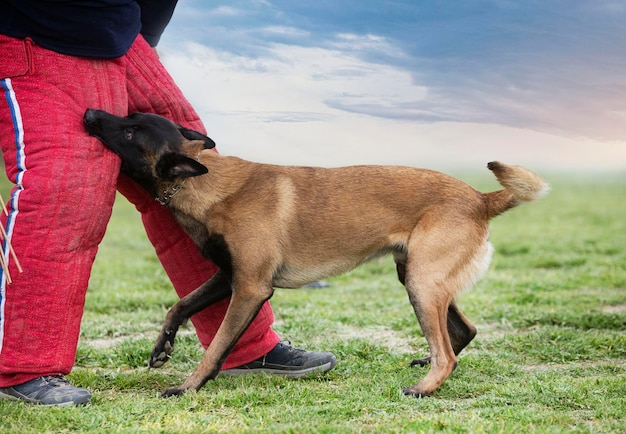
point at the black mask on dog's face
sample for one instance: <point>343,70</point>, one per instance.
<point>142,140</point>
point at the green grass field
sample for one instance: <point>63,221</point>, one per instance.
<point>550,355</point>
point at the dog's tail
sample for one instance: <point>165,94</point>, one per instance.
<point>520,186</point>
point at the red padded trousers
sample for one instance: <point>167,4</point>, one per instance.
<point>63,197</point>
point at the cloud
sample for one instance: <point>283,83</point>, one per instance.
<point>226,11</point>
<point>330,83</point>
<point>534,65</point>
<point>322,106</point>
<point>284,31</point>
<point>374,48</point>
<point>537,65</point>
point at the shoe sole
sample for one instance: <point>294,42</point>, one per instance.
<point>320,369</point>
<point>35,402</point>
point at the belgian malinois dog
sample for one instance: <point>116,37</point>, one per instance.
<point>270,226</point>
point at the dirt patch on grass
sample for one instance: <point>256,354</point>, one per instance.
<point>104,343</point>
<point>618,308</point>
<point>380,336</point>
<point>556,367</point>
<point>494,330</point>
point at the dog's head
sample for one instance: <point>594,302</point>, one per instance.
<point>154,150</point>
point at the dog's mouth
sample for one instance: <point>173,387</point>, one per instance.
<point>91,120</point>
<point>93,124</point>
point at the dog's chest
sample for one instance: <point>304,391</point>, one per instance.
<point>212,246</point>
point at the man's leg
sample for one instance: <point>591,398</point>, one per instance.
<point>151,89</point>
<point>65,187</point>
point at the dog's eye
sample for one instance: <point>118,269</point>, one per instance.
<point>128,134</point>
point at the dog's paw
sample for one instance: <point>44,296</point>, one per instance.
<point>162,350</point>
<point>424,361</point>
<point>412,391</point>
<point>172,391</point>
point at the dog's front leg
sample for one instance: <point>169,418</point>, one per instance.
<point>213,290</point>
<point>245,303</point>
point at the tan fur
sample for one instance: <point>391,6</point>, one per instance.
<point>287,226</point>
<point>272,226</point>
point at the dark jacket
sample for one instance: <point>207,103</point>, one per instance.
<point>90,28</point>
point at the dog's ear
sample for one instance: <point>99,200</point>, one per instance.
<point>172,165</point>
<point>194,135</point>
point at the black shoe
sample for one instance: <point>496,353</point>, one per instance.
<point>52,390</point>
<point>287,361</point>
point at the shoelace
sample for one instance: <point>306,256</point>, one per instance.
<point>56,380</point>
<point>283,344</point>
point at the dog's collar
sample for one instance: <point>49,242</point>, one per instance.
<point>169,193</point>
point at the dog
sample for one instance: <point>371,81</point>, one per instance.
<point>270,226</point>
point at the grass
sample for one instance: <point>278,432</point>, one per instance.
<point>550,355</point>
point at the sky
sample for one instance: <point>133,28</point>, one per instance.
<point>431,83</point>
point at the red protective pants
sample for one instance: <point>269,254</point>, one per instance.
<point>65,188</point>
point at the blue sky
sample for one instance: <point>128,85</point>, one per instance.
<point>428,83</point>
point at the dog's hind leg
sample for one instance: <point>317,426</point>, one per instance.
<point>446,255</point>
<point>401,270</point>
<point>217,288</point>
<point>430,302</point>
<point>460,330</point>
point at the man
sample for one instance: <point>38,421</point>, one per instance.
<point>56,60</point>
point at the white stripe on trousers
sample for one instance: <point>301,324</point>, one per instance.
<point>16,116</point>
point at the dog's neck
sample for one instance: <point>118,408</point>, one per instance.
<point>168,193</point>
